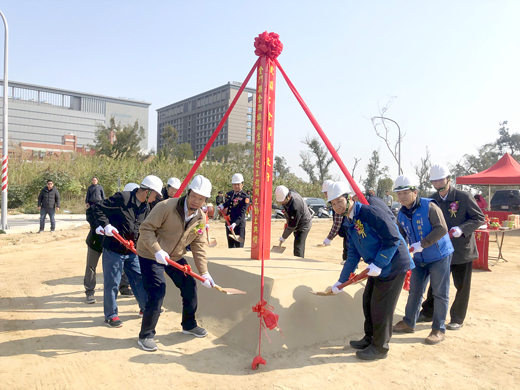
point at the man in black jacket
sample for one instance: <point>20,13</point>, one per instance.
<point>463,217</point>
<point>48,203</point>
<point>123,213</point>
<point>95,193</point>
<point>298,216</point>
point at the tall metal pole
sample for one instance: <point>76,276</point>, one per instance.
<point>399,141</point>
<point>5,143</point>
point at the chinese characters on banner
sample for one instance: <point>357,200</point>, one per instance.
<point>263,159</point>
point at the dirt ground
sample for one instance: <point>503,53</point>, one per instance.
<point>51,339</point>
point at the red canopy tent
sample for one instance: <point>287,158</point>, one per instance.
<point>505,172</point>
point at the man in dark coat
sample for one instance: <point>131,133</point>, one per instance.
<point>298,216</point>
<point>463,217</point>
<point>95,193</point>
<point>235,205</point>
<point>48,203</point>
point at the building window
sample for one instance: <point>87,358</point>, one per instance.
<point>249,109</point>
<point>249,124</point>
<point>249,117</point>
<point>248,137</point>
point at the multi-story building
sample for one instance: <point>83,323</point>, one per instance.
<point>42,116</point>
<point>197,117</point>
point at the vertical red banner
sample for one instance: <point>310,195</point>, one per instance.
<point>263,159</point>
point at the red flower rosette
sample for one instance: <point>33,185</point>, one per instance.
<point>268,44</point>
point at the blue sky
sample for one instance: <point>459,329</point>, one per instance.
<point>454,66</point>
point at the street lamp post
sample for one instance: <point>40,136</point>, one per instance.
<point>5,146</point>
<point>399,172</point>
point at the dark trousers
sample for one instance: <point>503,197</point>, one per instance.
<point>379,302</point>
<point>89,280</point>
<point>43,213</point>
<point>461,274</point>
<point>154,283</point>
<point>300,236</point>
<point>240,231</point>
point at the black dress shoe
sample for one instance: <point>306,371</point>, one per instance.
<point>453,326</point>
<point>371,353</point>
<point>360,344</point>
<point>423,318</point>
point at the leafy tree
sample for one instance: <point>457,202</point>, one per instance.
<point>280,168</point>
<point>507,142</point>
<point>117,142</point>
<point>323,159</point>
<point>383,185</point>
<point>171,148</point>
<point>374,171</point>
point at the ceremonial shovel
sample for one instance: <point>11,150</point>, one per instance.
<point>211,242</point>
<point>278,248</point>
<point>354,279</point>
<point>232,234</point>
<point>186,268</point>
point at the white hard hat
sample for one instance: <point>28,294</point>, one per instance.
<point>152,182</point>
<point>337,189</point>
<point>439,171</point>
<point>281,193</point>
<point>404,182</point>
<point>326,185</point>
<point>201,186</point>
<point>174,182</point>
<point>237,178</point>
<point>131,187</point>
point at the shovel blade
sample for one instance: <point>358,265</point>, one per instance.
<point>326,293</point>
<point>236,238</point>
<point>230,290</point>
<point>277,249</point>
<point>212,243</point>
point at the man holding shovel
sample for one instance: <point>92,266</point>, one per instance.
<point>373,236</point>
<point>236,204</point>
<point>298,216</point>
<point>169,229</point>
<point>123,213</point>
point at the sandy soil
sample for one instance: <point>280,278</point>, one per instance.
<point>51,339</point>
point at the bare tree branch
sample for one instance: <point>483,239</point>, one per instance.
<point>385,134</point>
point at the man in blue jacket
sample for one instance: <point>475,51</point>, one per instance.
<point>426,231</point>
<point>373,236</point>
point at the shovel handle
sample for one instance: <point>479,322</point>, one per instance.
<point>126,243</point>
<point>185,269</point>
<point>130,246</point>
<point>357,278</point>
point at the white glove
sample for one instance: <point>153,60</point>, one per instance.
<point>326,242</point>
<point>161,256</point>
<point>208,280</point>
<point>109,230</point>
<point>456,231</point>
<point>281,239</point>
<point>232,226</point>
<point>221,206</point>
<point>207,227</point>
<point>373,270</point>
<point>100,231</point>
<point>417,248</point>
<point>335,288</point>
